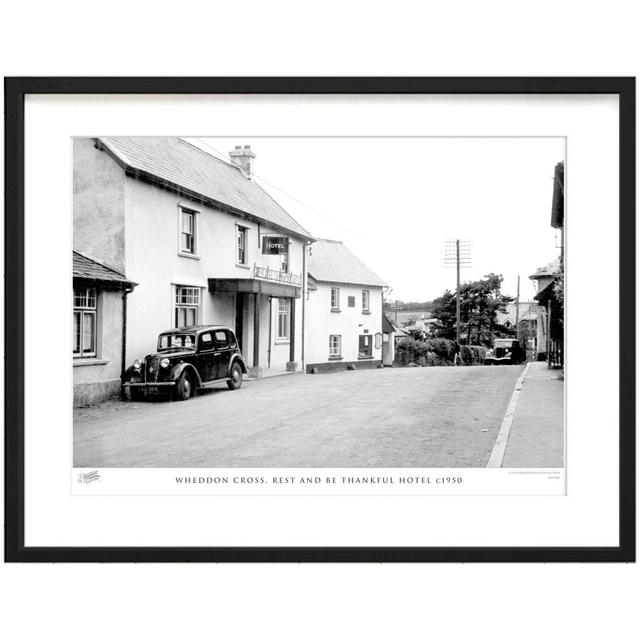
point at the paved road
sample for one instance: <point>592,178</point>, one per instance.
<point>405,417</point>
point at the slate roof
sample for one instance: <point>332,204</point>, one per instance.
<point>387,327</point>
<point>88,269</point>
<point>551,269</point>
<point>331,261</point>
<point>179,163</point>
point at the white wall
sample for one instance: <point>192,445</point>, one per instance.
<point>153,260</point>
<point>350,322</point>
<point>98,204</point>
<point>109,342</point>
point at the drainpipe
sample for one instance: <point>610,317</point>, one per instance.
<point>123,366</point>
<point>303,367</point>
<point>270,331</point>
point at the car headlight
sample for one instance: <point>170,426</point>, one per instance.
<point>137,363</point>
<point>164,363</point>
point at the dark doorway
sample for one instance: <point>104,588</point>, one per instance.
<point>240,298</point>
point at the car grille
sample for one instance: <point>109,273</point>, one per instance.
<point>151,369</point>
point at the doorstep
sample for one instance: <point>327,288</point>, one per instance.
<point>270,373</point>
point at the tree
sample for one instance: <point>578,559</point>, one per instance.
<point>412,319</point>
<point>558,287</point>
<point>479,302</point>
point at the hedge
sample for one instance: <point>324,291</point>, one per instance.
<point>436,352</point>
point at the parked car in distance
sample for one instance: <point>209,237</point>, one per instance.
<point>505,351</point>
<point>187,359</point>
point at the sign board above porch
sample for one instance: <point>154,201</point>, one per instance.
<point>274,245</point>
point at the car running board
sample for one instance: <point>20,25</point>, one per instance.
<point>206,385</point>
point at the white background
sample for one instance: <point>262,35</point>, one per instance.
<point>587,516</point>
<point>320,601</point>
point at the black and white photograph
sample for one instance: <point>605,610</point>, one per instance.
<point>318,302</point>
<point>342,314</point>
<point>306,327</point>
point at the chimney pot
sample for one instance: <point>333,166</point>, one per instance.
<point>243,159</point>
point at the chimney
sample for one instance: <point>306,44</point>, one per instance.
<point>242,157</point>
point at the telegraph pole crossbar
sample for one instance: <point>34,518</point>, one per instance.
<point>457,253</point>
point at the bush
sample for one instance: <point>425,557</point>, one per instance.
<point>405,351</point>
<point>436,352</point>
<point>472,354</point>
<point>433,360</point>
<point>442,347</point>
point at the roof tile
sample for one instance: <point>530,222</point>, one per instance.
<point>179,162</point>
<point>89,269</point>
<point>331,261</point>
<point>550,269</point>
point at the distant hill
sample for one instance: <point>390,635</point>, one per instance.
<point>408,316</point>
<point>416,307</point>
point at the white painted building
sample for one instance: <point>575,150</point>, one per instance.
<point>344,311</point>
<point>99,310</point>
<point>191,229</point>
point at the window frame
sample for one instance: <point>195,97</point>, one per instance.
<point>286,314</point>
<point>335,307</point>
<point>244,231</point>
<point>204,346</point>
<point>285,263</point>
<point>220,345</point>
<point>84,310</point>
<point>335,355</point>
<point>194,213</point>
<point>178,305</point>
<point>366,293</point>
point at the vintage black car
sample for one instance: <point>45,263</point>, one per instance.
<point>505,351</point>
<point>187,359</point>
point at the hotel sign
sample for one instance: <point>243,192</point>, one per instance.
<point>274,245</point>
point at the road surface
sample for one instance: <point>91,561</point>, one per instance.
<point>399,417</point>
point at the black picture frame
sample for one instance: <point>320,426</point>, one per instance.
<point>15,91</point>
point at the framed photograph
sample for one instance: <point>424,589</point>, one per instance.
<point>320,319</point>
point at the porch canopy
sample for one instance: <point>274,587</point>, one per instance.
<point>254,285</point>
<point>267,282</point>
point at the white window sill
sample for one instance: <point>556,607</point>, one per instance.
<point>192,256</point>
<point>242,266</point>
<point>88,362</point>
<point>282,341</point>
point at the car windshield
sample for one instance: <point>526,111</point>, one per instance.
<point>503,343</point>
<point>176,341</point>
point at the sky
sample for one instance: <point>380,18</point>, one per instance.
<point>395,201</point>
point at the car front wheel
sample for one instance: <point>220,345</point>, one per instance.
<point>184,387</point>
<point>235,375</point>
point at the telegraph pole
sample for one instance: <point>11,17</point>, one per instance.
<point>457,253</point>
<point>458,292</point>
<point>518,312</point>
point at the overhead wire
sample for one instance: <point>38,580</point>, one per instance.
<point>273,186</point>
